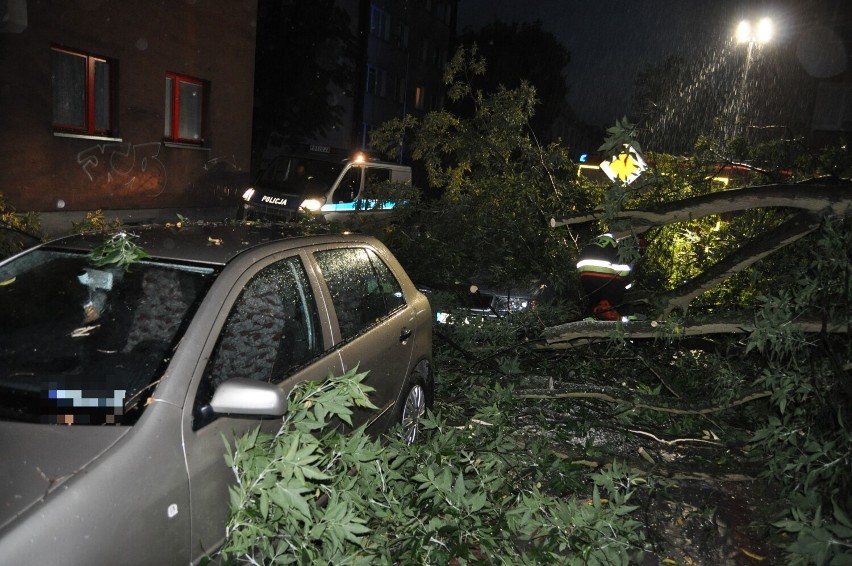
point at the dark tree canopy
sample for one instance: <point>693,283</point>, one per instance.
<point>523,52</point>
<point>304,51</point>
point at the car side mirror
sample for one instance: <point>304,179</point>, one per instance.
<point>241,396</point>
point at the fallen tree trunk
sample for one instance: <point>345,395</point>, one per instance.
<point>815,196</point>
<point>815,199</point>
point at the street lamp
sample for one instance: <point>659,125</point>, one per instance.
<point>760,33</point>
<point>753,35</point>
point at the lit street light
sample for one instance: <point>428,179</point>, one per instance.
<point>761,33</point>
<point>752,35</point>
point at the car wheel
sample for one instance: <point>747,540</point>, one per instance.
<point>412,411</point>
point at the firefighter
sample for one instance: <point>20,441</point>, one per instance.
<point>603,277</point>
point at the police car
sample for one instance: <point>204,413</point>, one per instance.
<point>327,187</point>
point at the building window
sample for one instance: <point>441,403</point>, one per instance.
<point>185,109</point>
<point>366,134</point>
<point>398,90</point>
<point>400,34</point>
<point>379,22</point>
<point>82,92</point>
<point>438,56</point>
<point>445,12</point>
<point>419,97</point>
<point>375,81</point>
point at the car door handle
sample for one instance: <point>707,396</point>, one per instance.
<point>405,334</point>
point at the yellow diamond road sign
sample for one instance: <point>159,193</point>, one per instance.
<point>626,166</point>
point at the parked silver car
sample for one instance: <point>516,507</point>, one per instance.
<point>118,385</point>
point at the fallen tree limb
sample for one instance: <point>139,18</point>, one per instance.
<point>662,472</point>
<point>572,334</point>
<point>637,400</point>
<point>795,228</point>
<point>817,195</point>
<point>674,441</point>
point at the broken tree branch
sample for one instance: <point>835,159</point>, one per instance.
<point>817,196</point>
<point>637,400</point>
<point>572,334</point>
<point>674,441</point>
<point>790,231</point>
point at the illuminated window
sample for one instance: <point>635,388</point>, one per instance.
<point>419,97</point>
<point>82,92</point>
<point>185,108</point>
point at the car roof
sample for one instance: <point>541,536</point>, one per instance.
<point>324,157</point>
<point>338,159</point>
<point>208,243</point>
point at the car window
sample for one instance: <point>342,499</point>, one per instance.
<point>86,345</point>
<point>278,172</point>
<point>272,329</point>
<point>349,187</point>
<point>362,288</point>
<point>390,288</point>
<point>375,176</point>
<point>299,176</point>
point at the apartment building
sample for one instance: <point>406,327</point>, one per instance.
<point>134,107</point>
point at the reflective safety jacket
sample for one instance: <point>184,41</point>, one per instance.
<point>600,259</point>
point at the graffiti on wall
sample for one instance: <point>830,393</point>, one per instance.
<point>125,168</point>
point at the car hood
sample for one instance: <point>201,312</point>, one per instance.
<point>38,458</point>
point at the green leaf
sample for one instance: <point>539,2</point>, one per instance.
<point>459,487</point>
<point>264,504</point>
<point>788,525</point>
<point>840,515</point>
<point>290,498</point>
<point>478,501</point>
<point>118,249</point>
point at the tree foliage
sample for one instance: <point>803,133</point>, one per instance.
<point>17,231</point>
<point>471,494</point>
<point>757,232</point>
<point>707,220</point>
<point>496,184</point>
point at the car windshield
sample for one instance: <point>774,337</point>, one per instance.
<point>86,345</point>
<point>300,176</point>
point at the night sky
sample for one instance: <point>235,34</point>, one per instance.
<point>611,40</point>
